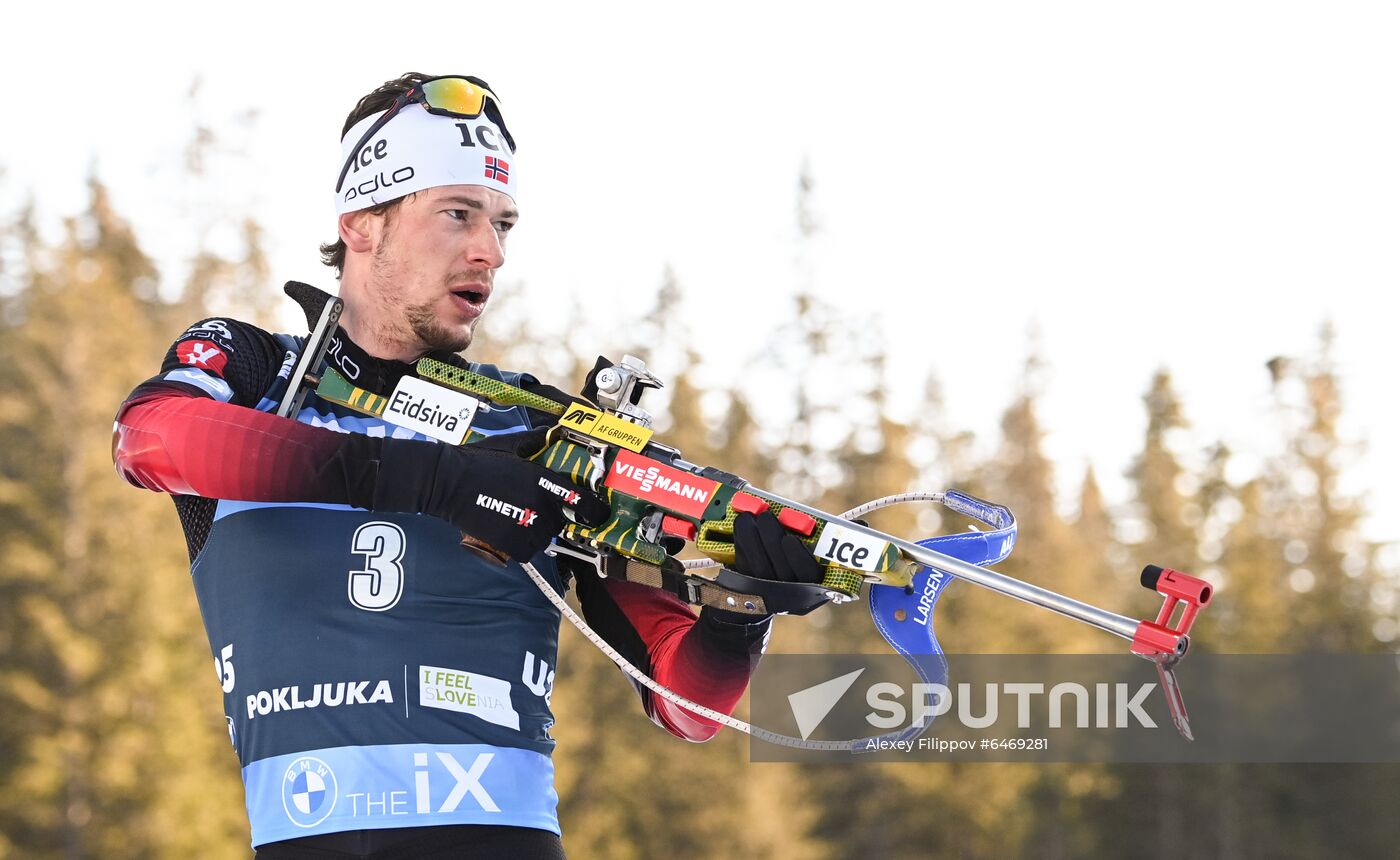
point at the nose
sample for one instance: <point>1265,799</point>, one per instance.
<point>484,247</point>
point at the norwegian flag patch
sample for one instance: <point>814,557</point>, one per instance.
<point>202,354</point>
<point>497,169</point>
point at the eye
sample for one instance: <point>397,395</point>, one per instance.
<point>505,226</point>
<point>458,214</point>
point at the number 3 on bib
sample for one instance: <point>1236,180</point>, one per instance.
<point>380,584</point>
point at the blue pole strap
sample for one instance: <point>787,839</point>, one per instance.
<point>904,617</point>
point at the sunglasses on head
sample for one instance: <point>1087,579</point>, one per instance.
<point>451,95</point>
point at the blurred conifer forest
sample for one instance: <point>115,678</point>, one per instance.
<point>112,742</point>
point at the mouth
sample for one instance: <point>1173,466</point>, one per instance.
<point>472,298</point>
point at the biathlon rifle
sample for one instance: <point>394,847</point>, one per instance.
<point>660,501</point>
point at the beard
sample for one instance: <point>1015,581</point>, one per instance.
<point>433,334</point>
<point>406,323</point>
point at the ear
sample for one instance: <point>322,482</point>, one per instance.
<point>355,231</point>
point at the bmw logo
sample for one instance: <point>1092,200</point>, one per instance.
<point>308,791</point>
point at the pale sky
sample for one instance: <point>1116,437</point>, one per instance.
<point>1196,185</point>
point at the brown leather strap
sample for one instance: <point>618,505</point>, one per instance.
<point>693,589</point>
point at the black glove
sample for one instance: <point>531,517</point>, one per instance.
<point>486,489</point>
<point>764,549</point>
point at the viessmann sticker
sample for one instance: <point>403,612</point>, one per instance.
<point>660,484</point>
<point>431,409</point>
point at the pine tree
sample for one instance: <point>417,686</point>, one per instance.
<point>1021,477</point>
<point>1299,577</point>
<point>1331,566</point>
<point>110,750</point>
<point>1164,516</point>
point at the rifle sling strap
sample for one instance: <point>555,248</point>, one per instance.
<point>692,589</point>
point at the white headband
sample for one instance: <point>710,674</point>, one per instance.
<point>417,150</point>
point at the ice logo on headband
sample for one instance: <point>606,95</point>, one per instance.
<point>417,150</point>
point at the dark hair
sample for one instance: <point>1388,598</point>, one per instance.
<point>333,254</point>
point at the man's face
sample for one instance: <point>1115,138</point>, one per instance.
<point>432,269</point>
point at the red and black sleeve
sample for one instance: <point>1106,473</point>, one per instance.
<point>702,658</point>
<point>190,430</point>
